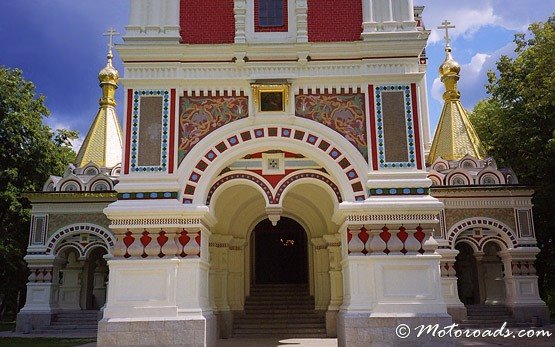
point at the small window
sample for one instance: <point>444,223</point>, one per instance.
<point>71,187</point>
<point>458,181</point>
<point>489,180</point>
<point>100,187</point>
<point>270,13</point>
<point>91,171</point>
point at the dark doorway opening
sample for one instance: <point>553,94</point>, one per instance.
<point>280,254</point>
<point>467,276</point>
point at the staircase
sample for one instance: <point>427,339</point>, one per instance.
<point>75,323</point>
<point>279,310</point>
<point>488,316</point>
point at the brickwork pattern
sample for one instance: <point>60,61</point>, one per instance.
<point>207,22</point>
<point>339,20</point>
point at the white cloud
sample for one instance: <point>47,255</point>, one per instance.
<point>54,123</point>
<point>471,15</point>
<point>473,76</point>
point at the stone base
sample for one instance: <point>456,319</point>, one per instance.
<point>331,323</point>
<point>458,313</point>
<point>182,331</point>
<point>29,321</point>
<point>537,315</point>
<point>358,329</point>
<point>225,324</point>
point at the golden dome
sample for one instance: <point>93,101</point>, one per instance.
<point>109,74</point>
<point>108,78</point>
<point>449,67</point>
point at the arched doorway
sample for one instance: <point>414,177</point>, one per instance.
<point>82,279</point>
<point>467,277</point>
<point>493,275</point>
<point>480,275</point>
<point>280,253</point>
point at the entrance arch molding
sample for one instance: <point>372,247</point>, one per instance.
<point>308,146</point>
<point>506,233</point>
<point>63,233</point>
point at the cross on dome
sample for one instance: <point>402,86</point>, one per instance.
<point>446,25</point>
<point>111,33</point>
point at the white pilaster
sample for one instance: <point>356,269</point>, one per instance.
<point>240,11</point>
<point>381,16</point>
<point>153,21</point>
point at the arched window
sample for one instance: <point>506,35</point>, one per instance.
<point>70,187</point>
<point>100,187</point>
<point>91,171</point>
<point>458,181</point>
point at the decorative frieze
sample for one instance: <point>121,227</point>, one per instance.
<point>393,218</point>
<point>276,70</point>
<point>141,222</point>
<point>147,195</point>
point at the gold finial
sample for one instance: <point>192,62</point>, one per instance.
<point>109,76</point>
<point>450,69</point>
<point>455,136</point>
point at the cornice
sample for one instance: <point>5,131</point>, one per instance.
<point>395,44</point>
<point>73,197</point>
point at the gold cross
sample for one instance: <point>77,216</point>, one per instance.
<point>446,25</point>
<point>111,33</point>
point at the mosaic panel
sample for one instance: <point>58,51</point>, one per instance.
<point>57,221</point>
<point>342,113</point>
<point>199,116</point>
<point>393,124</point>
<point>150,131</point>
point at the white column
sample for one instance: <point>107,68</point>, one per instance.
<point>236,279</point>
<point>321,274</point>
<point>390,276</point>
<point>387,16</point>
<point>153,21</point>
<point>521,285</point>
<point>449,288</point>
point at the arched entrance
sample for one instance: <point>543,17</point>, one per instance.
<point>467,278</point>
<point>82,279</point>
<point>280,252</point>
<point>480,274</point>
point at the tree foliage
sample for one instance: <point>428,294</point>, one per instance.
<point>29,153</point>
<point>517,125</point>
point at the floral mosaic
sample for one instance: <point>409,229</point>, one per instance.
<point>342,113</point>
<point>199,116</point>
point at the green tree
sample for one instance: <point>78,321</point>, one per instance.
<point>517,125</point>
<point>29,152</point>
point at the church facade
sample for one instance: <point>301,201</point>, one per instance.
<point>275,146</point>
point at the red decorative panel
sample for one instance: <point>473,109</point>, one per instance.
<point>207,22</point>
<point>200,115</point>
<point>338,20</point>
<point>343,113</point>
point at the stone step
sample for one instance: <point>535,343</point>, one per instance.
<point>283,317</point>
<point>284,333</point>
<point>490,317</point>
<point>74,326</point>
<point>273,305</point>
<point>74,333</point>
<point>276,325</point>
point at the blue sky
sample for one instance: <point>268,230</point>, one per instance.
<point>59,46</point>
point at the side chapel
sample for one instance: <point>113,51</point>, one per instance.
<point>276,175</point>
